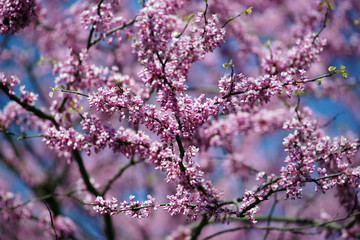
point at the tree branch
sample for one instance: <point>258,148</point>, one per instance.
<point>37,112</point>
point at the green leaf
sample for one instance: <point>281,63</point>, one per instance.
<point>225,65</point>
<point>345,74</point>
<point>268,43</point>
<point>342,67</point>
<point>190,17</point>
<point>248,11</point>
<point>231,63</point>
<point>296,106</point>
<point>51,94</point>
<point>331,68</point>
<point>62,86</point>
<point>298,92</point>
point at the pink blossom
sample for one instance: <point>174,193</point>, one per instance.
<point>15,15</point>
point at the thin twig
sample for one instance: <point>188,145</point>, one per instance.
<point>323,26</point>
<point>111,31</point>
<point>284,84</point>
<point>24,135</point>
<point>84,173</point>
<point>118,174</point>
<point>292,229</point>
<point>269,217</point>
<point>52,222</point>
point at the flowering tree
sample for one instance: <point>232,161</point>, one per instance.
<point>179,119</point>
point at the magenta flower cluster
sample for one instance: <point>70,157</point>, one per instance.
<point>133,208</point>
<point>15,15</point>
<point>199,104</point>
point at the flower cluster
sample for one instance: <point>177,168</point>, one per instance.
<point>15,15</point>
<point>27,97</point>
<point>100,18</point>
<point>308,145</point>
<point>10,83</point>
<point>306,51</point>
<point>249,92</point>
<point>98,137</point>
<point>14,113</point>
<point>155,27</point>
<point>248,205</point>
<point>65,141</point>
<point>160,122</point>
<point>65,226</point>
<point>106,206</point>
<point>117,99</point>
<point>187,201</point>
<point>165,160</point>
<point>165,56</point>
<point>180,202</point>
<point>194,113</point>
<point>75,71</point>
<point>11,209</point>
<point>122,140</point>
<point>155,113</point>
<point>222,130</point>
<point>133,208</point>
<point>300,56</point>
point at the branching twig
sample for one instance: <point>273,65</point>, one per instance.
<point>284,84</point>
<point>328,7</point>
<point>246,11</point>
<point>269,217</point>
<point>24,135</point>
<point>111,31</point>
<point>118,174</point>
<point>92,30</point>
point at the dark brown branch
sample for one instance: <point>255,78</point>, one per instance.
<point>111,31</point>
<point>118,174</point>
<point>37,112</point>
<point>52,221</point>
<point>84,174</point>
<point>93,26</point>
<point>197,230</point>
